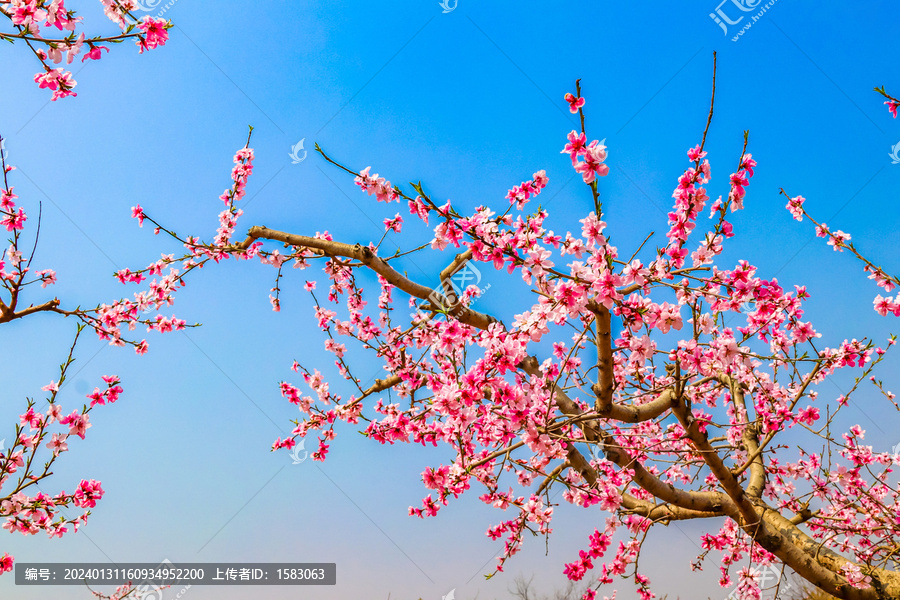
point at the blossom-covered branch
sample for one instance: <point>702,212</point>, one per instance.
<point>841,241</point>
<point>892,103</point>
<point>29,513</point>
<point>33,23</point>
<point>111,322</point>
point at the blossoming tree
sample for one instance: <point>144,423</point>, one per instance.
<point>33,22</point>
<point>649,405</point>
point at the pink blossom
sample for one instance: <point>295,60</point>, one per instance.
<point>46,277</point>
<point>669,317</point>
<point>57,16</point>
<point>57,80</point>
<point>26,13</point>
<point>593,163</point>
<point>884,306</point>
<point>74,49</point>
<point>88,493</point>
<point>393,224</point>
<point>15,221</point>
<point>576,146</point>
<point>739,181</point>
<point>795,206</point>
<point>537,261</point>
<point>6,199</point>
<point>138,213</point>
<point>574,103</point>
<point>592,230</point>
<point>892,106</point>
<point>379,186</point>
<point>808,415</point>
<point>527,189</point>
<point>417,207</point>
<point>695,154</point>
<point>855,576</point>
<point>94,53</point>
<point>837,240</point>
<point>53,413</point>
<point>58,443</point>
<point>31,418</point>
<point>155,33</point>
<point>634,272</point>
<point>78,423</point>
<point>747,164</point>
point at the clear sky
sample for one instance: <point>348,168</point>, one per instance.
<point>470,102</point>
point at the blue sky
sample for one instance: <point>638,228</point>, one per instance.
<point>469,102</point>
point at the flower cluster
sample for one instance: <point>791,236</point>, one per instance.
<point>519,194</point>
<point>379,186</point>
<point>740,180</point>
<point>33,514</point>
<point>12,218</point>
<point>593,155</point>
<point>38,21</point>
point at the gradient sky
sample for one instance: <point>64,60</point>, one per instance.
<point>469,102</point>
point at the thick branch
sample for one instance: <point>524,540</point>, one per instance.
<point>750,438</point>
<point>457,263</point>
<point>728,482</point>
<point>603,388</point>
<point>771,530</point>
<point>700,501</point>
<point>817,564</point>
<point>8,314</point>
<point>771,435</point>
<point>618,412</point>
<point>656,512</point>
<point>368,258</point>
